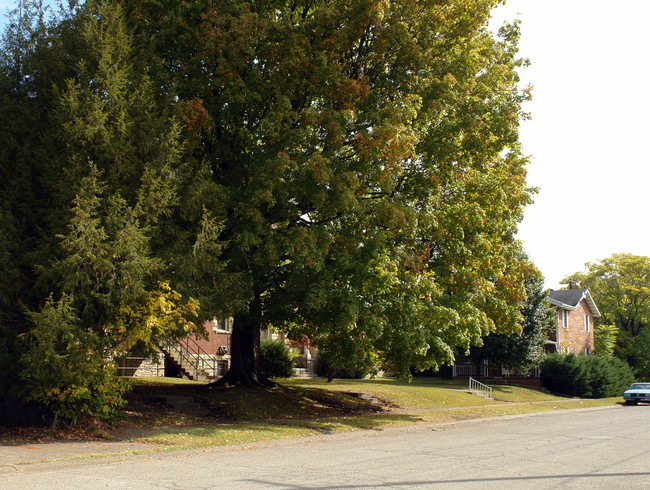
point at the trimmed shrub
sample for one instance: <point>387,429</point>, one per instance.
<point>585,376</point>
<point>276,360</point>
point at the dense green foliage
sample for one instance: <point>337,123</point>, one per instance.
<point>605,339</point>
<point>64,369</point>
<point>586,376</point>
<point>276,360</point>
<point>620,285</point>
<point>362,160</point>
<point>345,171</point>
<point>523,350</point>
<point>90,172</point>
<point>343,355</point>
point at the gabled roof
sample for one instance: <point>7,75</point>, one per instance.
<point>569,299</point>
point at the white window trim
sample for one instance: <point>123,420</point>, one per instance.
<point>217,322</point>
<point>564,318</point>
<point>587,323</point>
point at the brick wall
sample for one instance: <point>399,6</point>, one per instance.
<point>574,339</point>
<point>216,337</point>
<point>211,345</point>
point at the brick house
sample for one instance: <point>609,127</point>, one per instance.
<point>574,332</point>
<point>205,359</point>
<point>201,359</point>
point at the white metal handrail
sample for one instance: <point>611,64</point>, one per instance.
<point>479,388</point>
<point>199,362</point>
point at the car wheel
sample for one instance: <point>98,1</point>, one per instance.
<point>630,402</point>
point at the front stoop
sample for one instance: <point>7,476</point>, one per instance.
<point>187,369</point>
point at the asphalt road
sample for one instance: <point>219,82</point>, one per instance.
<point>603,448</point>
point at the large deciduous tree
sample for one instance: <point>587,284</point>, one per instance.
<point>605,339</point>
<point>621,286</point>
<point>362,161</point>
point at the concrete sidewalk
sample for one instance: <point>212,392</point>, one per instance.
<point>14,455</point>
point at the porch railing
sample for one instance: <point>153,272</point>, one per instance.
<point>478,388</point>
<point>193,358</point>
<point>532,372</point>
<point>468,370</point>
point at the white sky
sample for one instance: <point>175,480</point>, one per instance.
<point>589,129</point>
<point>5,6</point>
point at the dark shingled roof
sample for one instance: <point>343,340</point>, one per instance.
<point>570,298</point>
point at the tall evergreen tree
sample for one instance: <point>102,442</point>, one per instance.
<point>99,175</point>
<point>520,351</point>
<point>21,120</point>
<point>126,158</point>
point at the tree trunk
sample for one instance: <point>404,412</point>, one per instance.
<point>245,348</point>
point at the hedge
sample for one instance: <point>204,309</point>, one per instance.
<point>586,376</point>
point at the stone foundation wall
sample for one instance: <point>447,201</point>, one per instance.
<point>134,367</point>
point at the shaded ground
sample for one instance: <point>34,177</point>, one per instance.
<point>166,405</point>
<point>175,412</point>
<point>150,404</point>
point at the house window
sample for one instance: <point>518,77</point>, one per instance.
<point>221,325</point>
<point>587,321</point>
<point>587,351</point>
<point>564,318</point>
<point>222,368</point>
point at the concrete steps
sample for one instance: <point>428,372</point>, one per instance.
<point>364,396</point>
<point>186,367</point>
<point>303,373</point>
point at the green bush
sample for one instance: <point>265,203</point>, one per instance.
<point>63,369</point>
<point>586,376</point>
<point>276,361</point>
<point>345,355</point>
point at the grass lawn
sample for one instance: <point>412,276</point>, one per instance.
<point>425,393</point>
<point>301,407</point>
